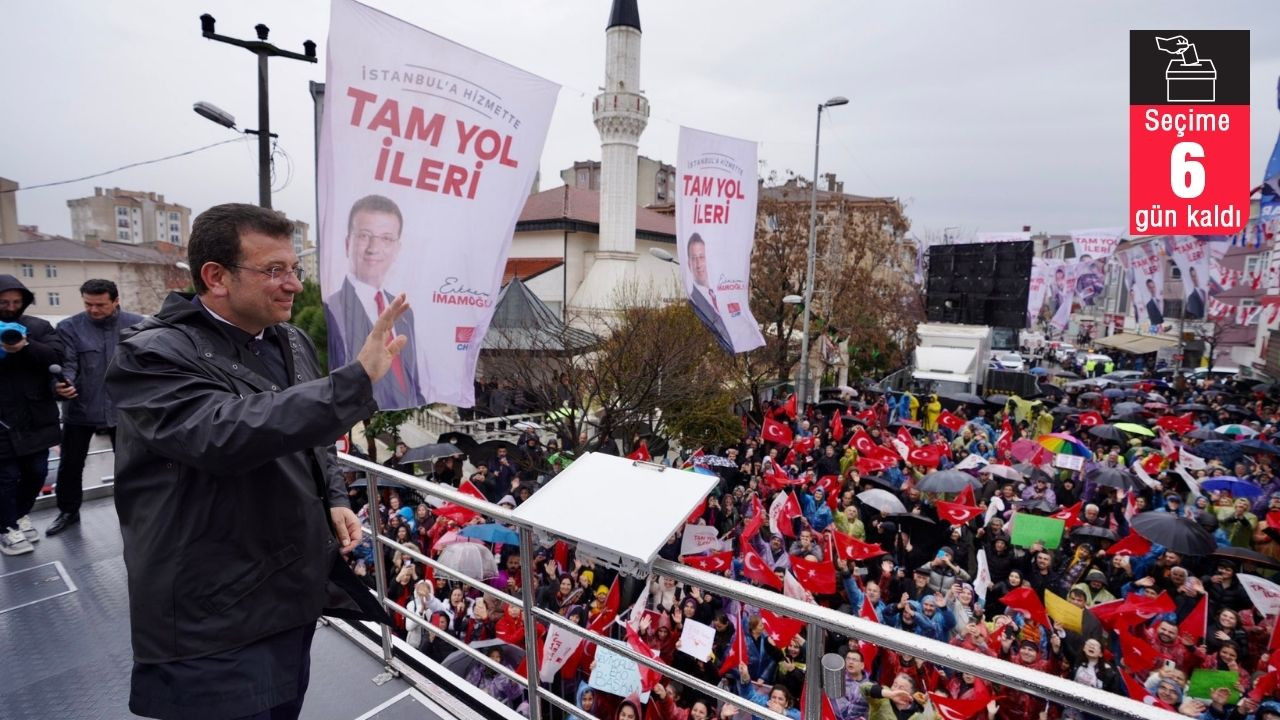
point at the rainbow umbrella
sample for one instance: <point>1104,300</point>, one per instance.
<point>1064,444</point>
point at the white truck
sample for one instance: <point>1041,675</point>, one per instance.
<point>952,358</point>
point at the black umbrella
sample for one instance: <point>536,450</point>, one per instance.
<point>460,663</point>
<point>1254,445</point>
<point>1192,407</point>
<point>383,482</point>
<point>1065,410</point>
<point>1245,555</point>
<point>1181,535</point>
<point>1218,450</point>
<point>1093,531</point>
<point>1242,412</point>
<point>1000,400</point>
<point>948,481</point>
<point>831,405</point>
<point>1035,506</point>
<point>487,451</point>
<point>1116,478</point>
<point>428,453</point>
<point>464,441</point>
<point>962,397</point>
<point>1053,390</point>
<point>1126,408</point>
<point>1090,396</point>
<point>1108,432</point>
<point>1066,374</point>
<point>1205,434</point>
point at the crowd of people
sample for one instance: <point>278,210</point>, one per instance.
<point>844,505</point>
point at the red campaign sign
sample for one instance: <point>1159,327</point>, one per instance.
<point>1188,132</point>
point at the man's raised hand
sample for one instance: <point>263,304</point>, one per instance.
<point>378,350</point>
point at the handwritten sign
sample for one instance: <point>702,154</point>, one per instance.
<point>696,640</point>
<point>698,539</point>
<point>614,674</point>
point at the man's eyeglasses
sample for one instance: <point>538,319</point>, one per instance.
<point>365,237</point>
<point>277,273</point>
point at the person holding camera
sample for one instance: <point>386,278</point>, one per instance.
<point>28,412</point>
<point>90,338</point>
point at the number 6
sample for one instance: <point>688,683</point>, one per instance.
<point>1186,176</point>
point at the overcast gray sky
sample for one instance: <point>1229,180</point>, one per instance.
<point>984,115</point>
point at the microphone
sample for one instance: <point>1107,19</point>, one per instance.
<point>56,370</point>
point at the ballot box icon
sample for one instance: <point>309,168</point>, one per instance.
<point>1188,78</point>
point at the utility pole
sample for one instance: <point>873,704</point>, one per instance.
<point>263,50</point>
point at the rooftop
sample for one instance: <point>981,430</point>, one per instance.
<point>577,209</point>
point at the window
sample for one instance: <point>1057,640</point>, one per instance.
<point>583,178</point>
<point>173,217</point>
<point>122,211</point>
<point>55,299</point>
<point>28,270</point>
<point>122,235</point>
<point>122,222</point>
<point>175,238</point>
<point>173,227</point>
<point>1256,263</point>
<point>1174,271</point>
<point>51,271</point>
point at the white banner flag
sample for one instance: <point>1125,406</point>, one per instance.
<point>1264,594</point>
<point>1146,284</point>
<point>1092,249</point>
<point>556,651</point>
<point>698,539</point>
<point>715,228</point>
<point>427,153</point>
<point>1190,255</point>
<point>982,581</point>
<point>1096,244</point>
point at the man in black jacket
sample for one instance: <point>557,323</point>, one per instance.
<point>28,412</point>
<point>231,505</point>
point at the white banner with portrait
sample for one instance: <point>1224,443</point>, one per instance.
<point>1038,289</point>
<point>427,153</point>
<point>1146,285</point>
<point>1191,257</point>
<point>715,228</point>
<point>1092,249</point>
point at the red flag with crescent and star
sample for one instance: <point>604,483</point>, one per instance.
<point>780,629</point>
<point>775,432</point>
<point>815,576</point>
<point>754,568</point>
<point>713,563</point>
<point>955,513</point>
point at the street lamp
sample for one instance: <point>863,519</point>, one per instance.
<point>803,391</point>
<point>663,255</point>
<point>263,50</point>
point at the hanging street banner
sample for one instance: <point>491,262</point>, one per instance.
<point>1188,132</point>
<point>1038,289</point>
<point>1096,244</point>
<point>427,152</point>
<point>1062,293</point>
<point>1146,284</point>
<point>1192,259</point>
<point>1092,249</point>
<point>715,228</point>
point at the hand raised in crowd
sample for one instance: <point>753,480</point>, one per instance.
<point>378,352</point>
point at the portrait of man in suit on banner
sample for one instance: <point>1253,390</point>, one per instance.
<point>703,297</point>
<point>375,227</point>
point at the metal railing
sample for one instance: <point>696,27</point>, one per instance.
<point>480,428</point>
<point>818,620</point>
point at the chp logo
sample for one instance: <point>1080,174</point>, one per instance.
<point>463,335</point>
<point>735,309</point>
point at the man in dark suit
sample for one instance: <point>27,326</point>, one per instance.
<point>1196,299</point>
<point>703,297</point>
<point>373,242</point>
<point>1155,304</point>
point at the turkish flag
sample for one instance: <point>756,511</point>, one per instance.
<point>1273,520</point>
<point>830,485</point>
<point>1090,419</point>
<point>815,576</point>
<point>648,676</point>
<point>561,555</point>
<point>776,477</point>
<point>789,407</point>
<point>1145,608</point>
<point>966,496</point>
<point>754,568</point>
<point>756,520</point>
<point>1026,600</point>
<point>510,629</point>
<point>790,510</point>
<point>1139,655</point>
<point>1175,423</point>
<point>852,549</point>
<point>868,465</point>
<point>927,456</point>
<point>905,436</point>
<point>955,709</point>
<point>1005,441</point>
<point>955,513</point>
<point>601,622</point>
<point>713,563</point>
<point>881,452</point>
<point>827,711</point>
<point>1138,692</point>
<point>1196,622</point>
<point>1152,463</point>
<point>775,432</point>
<point>780,629</point>
<point>861,442</point>
<point>790,459</point>
<point>697,513</point>
<point>1069,515</point>
<point>951,422</point>
<point>737,654</point>
<point>641,452</point>
<point>456,512</point>
<point>837,427</point>
<point>866,417</point>
<point>869,650</point>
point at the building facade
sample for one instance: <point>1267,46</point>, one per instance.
<point>655,180</point>
<point>130,217</point>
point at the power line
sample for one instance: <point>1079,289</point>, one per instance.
<point>126,167</point>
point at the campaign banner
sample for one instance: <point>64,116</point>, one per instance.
<point>698,539</point>
<point>1038,289</point>
<point>1146,284</point>
<point>1192,259</point>
<point>1062,294</point>
<point>427,153</point>
<point>715,228</point>
<point>559,646</point>
<point>1095,244</point>
<point>1092,249</point>
<point>1264,594</point>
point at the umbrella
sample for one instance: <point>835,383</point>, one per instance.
<point>1053,390</point>
<point>1003,471</point>
<point>1126,408</point>
<point>486,451</point>
<point>1035,505</point>
<point>451,537</point>
<point>1181,535</point>
<point>1113,393</point>
<point>465,442</point>
<point>832,404</point>
<point>1090,396</point>
<point>1218,450</point>
<point>1207,434</point>
<point>1066,374</point>
<point>1107,432</point>
<point>714,461</point>
<point>1236,431</point>
<point>1065,410</point>
<point>470,559</point>
<point>1084,532</point>
<point>460,663</point>
<point>383,482</point>
<point>1038,371</point>
<point>882,500</point>
<point>1257,445</point>
<point>966,398</point>
<point>1025,450</point>
<point>427,453</point>
<point>1192,407</point>
<point>1000,400</point>
<point>491,533</point>
<point>1160,406</point>
<point>1116,478</point>
<point>1135,429</point>
<point>1245,555</point>
<point>948,481</point>
<point>1233,485</point>
<point>1065,443</point>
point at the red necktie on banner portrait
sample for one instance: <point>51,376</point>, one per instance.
<point>397,365</point>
